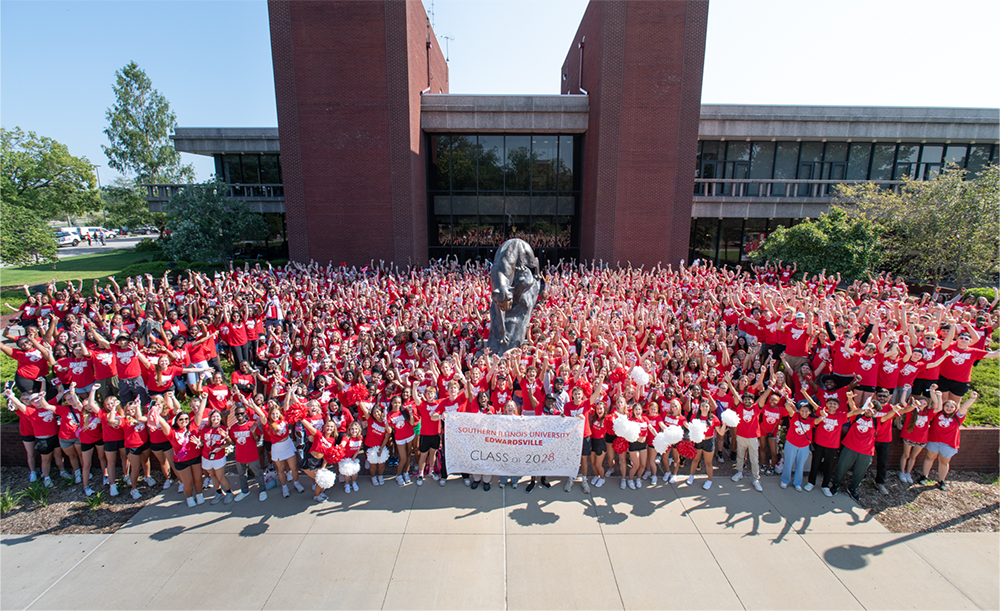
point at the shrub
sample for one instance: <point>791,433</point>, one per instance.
<point>148,245</point>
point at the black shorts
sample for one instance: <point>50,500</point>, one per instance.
<point>138,450</point>
<point>598,446</point>
<point>637,446</point>
<point>162,446</point>
<point>86,447</point>
<point>28,438</point>
<point>180,466</point>
<point>921,386</point>
<point>955,388</point>
<point>429,441</point>
<point>46,445</point>
<point>865,388</point>
<point>841,381</point>
<point>609,439</point>
<point>113,446</point>
<point>707,445</point>
<point>310,462</point>
<point>587,448</point>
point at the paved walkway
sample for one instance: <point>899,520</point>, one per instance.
<point>431,547</point>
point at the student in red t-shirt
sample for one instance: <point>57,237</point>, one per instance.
<point>706,448</point>
<point>183,436</point>
<point>32,362</point>
<point>916,429</point>
<point>859,444</point>
<point>323,442</point>
<point>599,425</point>
<point>402,420</point>
<point>959,357</point>
<point>43,421</point>
<point>136,440</point>
<point>430,409</point>
<point>801,425</point>
<point>748,437</point>
<point>244,434</point>
<point>91,437</point>
<point>945,435</point>
<point>213,453</point>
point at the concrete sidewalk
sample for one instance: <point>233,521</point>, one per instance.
<point>430,547</point>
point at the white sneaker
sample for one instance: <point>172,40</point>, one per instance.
<point>262,496</point>
<point>239,497</point>
<point>420,480</point>
<point>594,479</point>
<point>180,487</point>
<point>48,482</point>
<point>442,481</point>
<point>631,484</point>
<point>808,487</point>
<point>33,477</point>
<point>467,482</point>
<point>600,482</point>
<point>190,501</point>
<point>87,491</point>
<point>114,490</point>
<point>568,485</point>
<point>167,484</point>
<point>737,477</point>
<point>135,494</point>
<point>586,487</point>
<point>624,483</point>
<point>798,488</point>
<point>435,476</point>
<point>406,477</point>
<point>284,491</point>
<point>399,480</point>
<point>354,486</point>
<point>609,472</point>
<point>647,475</point>
<point>347,488</point>
<point>105,479</point>
<point>690,480</point>
<point>719,458</point>
<point>652,481</point>
<point>638,483</point>
<point>381,480</point>
<point>298,486</point>
<point>65,475</point>
<point>77,477</point>
<point>150,481</point>
<point>826,492</point>
<point>706,485</point>
<point>374,481</point>
<point>319,498</point>
<point>672,480</point>
<point>756,485</point>
<point>783,485</point>
<point>199,498</point>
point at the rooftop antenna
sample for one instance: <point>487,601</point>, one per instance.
<point>447,39</point>
<point>432,13</point>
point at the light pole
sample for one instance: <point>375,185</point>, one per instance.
<point>104,212</point>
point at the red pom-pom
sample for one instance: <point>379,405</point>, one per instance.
<point>334,455</point>
<point>296,412</point>
<point>355,394</point>
<point>686,449</point>
<point>620,445</point>
<point>618,375</point>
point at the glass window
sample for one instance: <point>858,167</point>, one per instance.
<point>566,163</point>
<point>785,165</point>
<point>463,163</point>
<point>545,205</point>
<point>710,150</point>
<point>761,166</point>
<point>441,204</point>
<point>811,153</point>
<point>907,153</point>
<point>732,241</point>
<point>544,154</point>
<point>857,165</point>
<point>270,170</point>
<point>517,204</point>
<point>442,234</point>
<point>567,205</point>
<point>491,204</point>
<point>931,154</point>
<point>251,169</point>
<point>517,168</point>
<point>882,160</point>
<point>754,234</point>
<point>836,151</point>
<point>705,241</point>
<point>956,155</point>
<point>464,230</point>
<point>978,157</point>
<point>491,231</point>
<point>233,173</point>
<point>738,151</point>
<point>491,163</point>
<point>439,178</point>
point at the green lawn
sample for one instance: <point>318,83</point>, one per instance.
<point>85,267</point>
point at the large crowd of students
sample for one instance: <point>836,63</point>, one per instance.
<point>338,369</point>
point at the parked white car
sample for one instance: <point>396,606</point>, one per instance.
<point>65,238</point>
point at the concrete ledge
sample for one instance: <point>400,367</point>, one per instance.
<point>504,113</point>
<point>214,140</point>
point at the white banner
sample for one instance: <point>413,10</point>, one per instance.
<point>512,445</point>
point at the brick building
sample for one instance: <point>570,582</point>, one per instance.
<point>373,158</point>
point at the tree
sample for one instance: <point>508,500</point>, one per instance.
<point>836,242</point>
<point>205,223</point>
<point>125,205</point>
<point>25,237</point>
<point>39,175</point>
<point>946,228</point>
<point>139,126</point>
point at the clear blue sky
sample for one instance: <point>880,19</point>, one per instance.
<point>212,60</point>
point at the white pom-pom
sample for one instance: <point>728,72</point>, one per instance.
<point>696,431</point>
<point>660,442</point>
<point>349,467</point>
<point>640,376</point>
<point>377,458</point>
<point>325,478</point>
<point>626,428</point>
<point>730,418</point>
<point>674,434</point>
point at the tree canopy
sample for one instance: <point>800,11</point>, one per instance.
<point>139,126</point>
<point>205,224</point>
<point>836,242</point>
<point>39,174</point>
<point>946,228</point>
